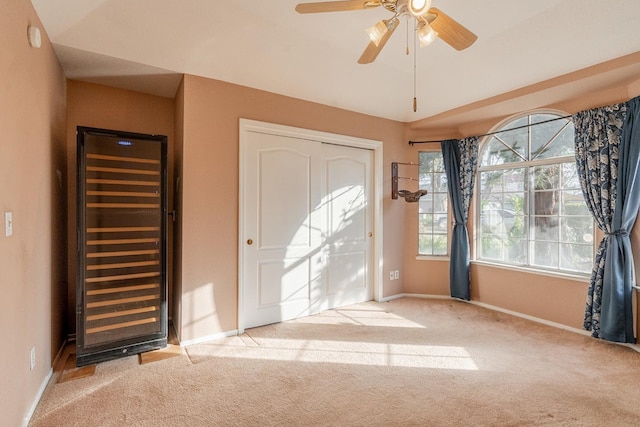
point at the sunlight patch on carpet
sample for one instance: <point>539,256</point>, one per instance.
<point>359,317</point>
<point>341,352</point>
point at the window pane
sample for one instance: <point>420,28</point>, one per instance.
<point>425,223</point>
<point>546,177</point>
<point>570,179</point>
<point>437,161</point>
<point>573,204</point>
<point>440,202</point>
<point>514,202</point>
<point>493,184</point>
<point>426,182</point>
<point>534,214</point>
<point>425,244</point>
<point>503,212</point>
<point>514,179</point>
<point>440,244</point>
<point>425,204</point>
<point>517,140</point>
<point>545,254</point>
<point>433,207</point>
<point>491,181</point>
<point>543,134</point>
<point>498,153</point>
<point>492,247</point>
<point>518,230</point>
<point>522,121</point>
<point>440,222</point>
<point>562,145</point>
<point>516,252</point>
<point>576,229</point>
<point>576,257</point>
<point>546,229</point>
<point>440,182</point>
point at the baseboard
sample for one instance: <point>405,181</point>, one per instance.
<point>532,318</point>
<point>391,298</point>
<point>635,347</point>
<point>494,308</point>
<point>43,386</point>
<point>209,338</point>
<point>405,295</point>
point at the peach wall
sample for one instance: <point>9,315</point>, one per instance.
<point>550,298</point>
<point>105,107</point>
<point>520,291</point>
<point>209,219</point>
<point>32,266</point>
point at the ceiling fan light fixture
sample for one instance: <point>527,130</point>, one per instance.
<point>419,8</point>
<point>426,34</point>
<point>377,32</point>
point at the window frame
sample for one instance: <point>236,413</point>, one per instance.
<point>434,257</point>
<point>529,167</point>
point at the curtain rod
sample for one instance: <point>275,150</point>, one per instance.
<point>498,131</point>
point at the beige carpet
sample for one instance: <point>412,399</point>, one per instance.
<point>402,363</point>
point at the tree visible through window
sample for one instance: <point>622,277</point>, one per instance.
<point>433,208</point>
<point>531,209</point>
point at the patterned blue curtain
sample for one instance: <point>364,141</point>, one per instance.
<point>460,165</point>
<point>608,158</point>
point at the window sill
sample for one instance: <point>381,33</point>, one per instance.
<point>432,257</point>
<point>568,276</point>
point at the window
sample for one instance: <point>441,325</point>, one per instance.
<point>433,212</point>
<point>531,209</point>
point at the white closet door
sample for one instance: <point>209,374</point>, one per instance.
<point>348,231</point>
<point>283,229</point>
<point>306,227</point>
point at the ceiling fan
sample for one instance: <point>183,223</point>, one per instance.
<point>430,24</point>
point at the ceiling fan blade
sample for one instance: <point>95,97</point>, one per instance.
<point>336,6</point>
<point>451,31</point>
<point>371,52</point>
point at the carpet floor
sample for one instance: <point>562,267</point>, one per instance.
<point>407,362</point>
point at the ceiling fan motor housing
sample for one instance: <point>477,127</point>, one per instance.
<point>416,8</point>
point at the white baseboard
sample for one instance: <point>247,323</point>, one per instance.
<point>635,347</point>
<point>34,405</point>
<point>43,386</point>
<point>532,318</point>
<point>404,295</point>
<point>209,338</point>
<point>494,308</point>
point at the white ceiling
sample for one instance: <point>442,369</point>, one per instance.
<point>146,45</point>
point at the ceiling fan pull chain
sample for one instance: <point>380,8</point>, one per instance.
<point>415,74</point>
<point>407,48</point>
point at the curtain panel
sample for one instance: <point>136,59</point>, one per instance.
<point>607,141</point>
<point>460,164</point>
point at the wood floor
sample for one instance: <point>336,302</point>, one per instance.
<point>69,371</point>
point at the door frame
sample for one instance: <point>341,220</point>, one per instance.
<point>246,126</point>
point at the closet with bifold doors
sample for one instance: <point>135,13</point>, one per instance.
<point>121,291</point>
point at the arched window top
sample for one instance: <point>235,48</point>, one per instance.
<point>532,213</point>
<point>535,136</point>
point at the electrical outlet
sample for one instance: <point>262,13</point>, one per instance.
<point>33,358</point>
<point>396,274</point>
<point>8,224</point>
<point>391,275</point>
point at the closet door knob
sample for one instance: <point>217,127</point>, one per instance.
<point>249,242</point>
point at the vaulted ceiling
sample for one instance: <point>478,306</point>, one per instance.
<point>146,45</point>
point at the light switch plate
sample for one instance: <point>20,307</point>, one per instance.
<point>8,224</point>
